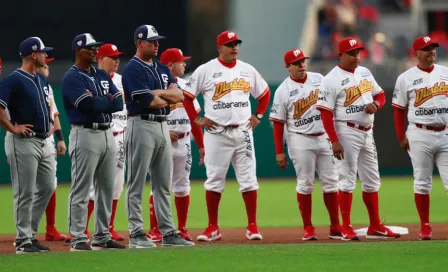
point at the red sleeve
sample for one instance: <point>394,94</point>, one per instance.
<point>327,120</point>
<point>189,108</point>
<point>263,102</point>
<point>197,134</point>
<point>380,99</point>
<point>278,137</point>
<point>400,118</point>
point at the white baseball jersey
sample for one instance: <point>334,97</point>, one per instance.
<point>226,90</point>
<point>295,104</point>
<point>424,95</point>
<point>347,94</point>
<point>178,119</point>
<point>119,118</point>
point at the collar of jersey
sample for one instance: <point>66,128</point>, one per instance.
<point>26,74</point>
<point>301,81</point>
<point>228,65</point>
<point>348,71</point>
<point>154,64</point>
<point>429,70</point>
<point>92,68</point>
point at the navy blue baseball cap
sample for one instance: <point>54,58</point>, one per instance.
<point>147,33</point>
<point>84,40</point>
<point>32,45</point>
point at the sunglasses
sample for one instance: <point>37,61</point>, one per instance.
<point>232,44</point>
<point>91,48</point>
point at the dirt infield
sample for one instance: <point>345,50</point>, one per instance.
<point>237,236</point>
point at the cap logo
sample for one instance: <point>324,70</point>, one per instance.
<point>296,52</point>
<point>230,35</point>
<point>426,39</point>
<point>180,51</point>
<point>140,35</point>
<point>154,30</point>
<point>34,47</point>
<point>114,47</point>
<point>352,42</point>
<point>79,43</point>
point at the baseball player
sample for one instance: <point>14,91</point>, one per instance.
<point>421,91</point>
<point>180,128</point>
<point>52,234</point>
<point>109,61</point>
<point>350,95</point>
<point>149,89</point>
<point>308,145</point>
<point>90,98</point>
<point>25,93</point>
<point>226,84</point>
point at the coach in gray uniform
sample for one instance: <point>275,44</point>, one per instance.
<point>149,88</point>
<point>90,98</point>
<point>25,94</point>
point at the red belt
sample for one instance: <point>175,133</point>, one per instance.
<point>313,134</point>
<point>359,127</point>
<point>182,135</point>
<point>118,133</point>
<point>433,128</point>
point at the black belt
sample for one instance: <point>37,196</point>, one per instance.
<point>98,126</point>
<point>39,135</point>
<point>152,117</point>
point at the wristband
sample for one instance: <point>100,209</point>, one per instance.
<point>59,134</point>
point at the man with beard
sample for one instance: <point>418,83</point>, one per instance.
<point>90,98</point>
<point>25,93</point>
<point>348,98</point>
<point>421,91</point>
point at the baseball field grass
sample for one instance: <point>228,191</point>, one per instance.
<point>277,208</point>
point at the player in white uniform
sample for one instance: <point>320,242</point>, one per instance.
<point>226,84</point>
<point>308,145</point>
<point>51,233</point>
<point>108,60</point>
<point>422,91</point>
<point>350,95</point>
<point>180,129</point>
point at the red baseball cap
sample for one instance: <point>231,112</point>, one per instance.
<point>349,44</point>
<point>294,55</point>
<point>226,37</point>
<point>173,55</point>
<point>49,60</point>
<point>108,50</point>
<point>423,41</point>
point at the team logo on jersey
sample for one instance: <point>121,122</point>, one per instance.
<point>216,75</point>
<point>417,81</point>
<point>224,88</point>
<point>424,94</point>
<point>176,106</point>
<point>294,92</point>
<point>352,42</point>
<point>426,39</point>
<point>302,105</point>
<point>165,81</point>
<point>345,81</point>
<point>105,85</point>
<point>353,93</point>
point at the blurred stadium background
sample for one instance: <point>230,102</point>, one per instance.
<point>268,29</point>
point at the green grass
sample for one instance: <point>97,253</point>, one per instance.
<point>277,206</point>
<point>391,256</point>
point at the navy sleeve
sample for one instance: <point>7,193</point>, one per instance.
<point>6,87</point>
<point>117,105</point>
<point>76,92</point>
<point>134,85</point>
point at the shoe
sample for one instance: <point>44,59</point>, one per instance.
<point>309,234</point>
<point>183,232</point>
<point>109,245</point>
<point>52,234</point>
<point>39,246</point>
<point>335,233</point>
<point>348,234</point>
<point>154,235</point>
<point>82,246</point>
<point>115,235</point>
<point>381,232</point>
<point>425,232</point>
<point>27,249</point>
<point>174,239</point>
<point>252,232</point>
<point>139,240</point>
<point>211,233</point>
